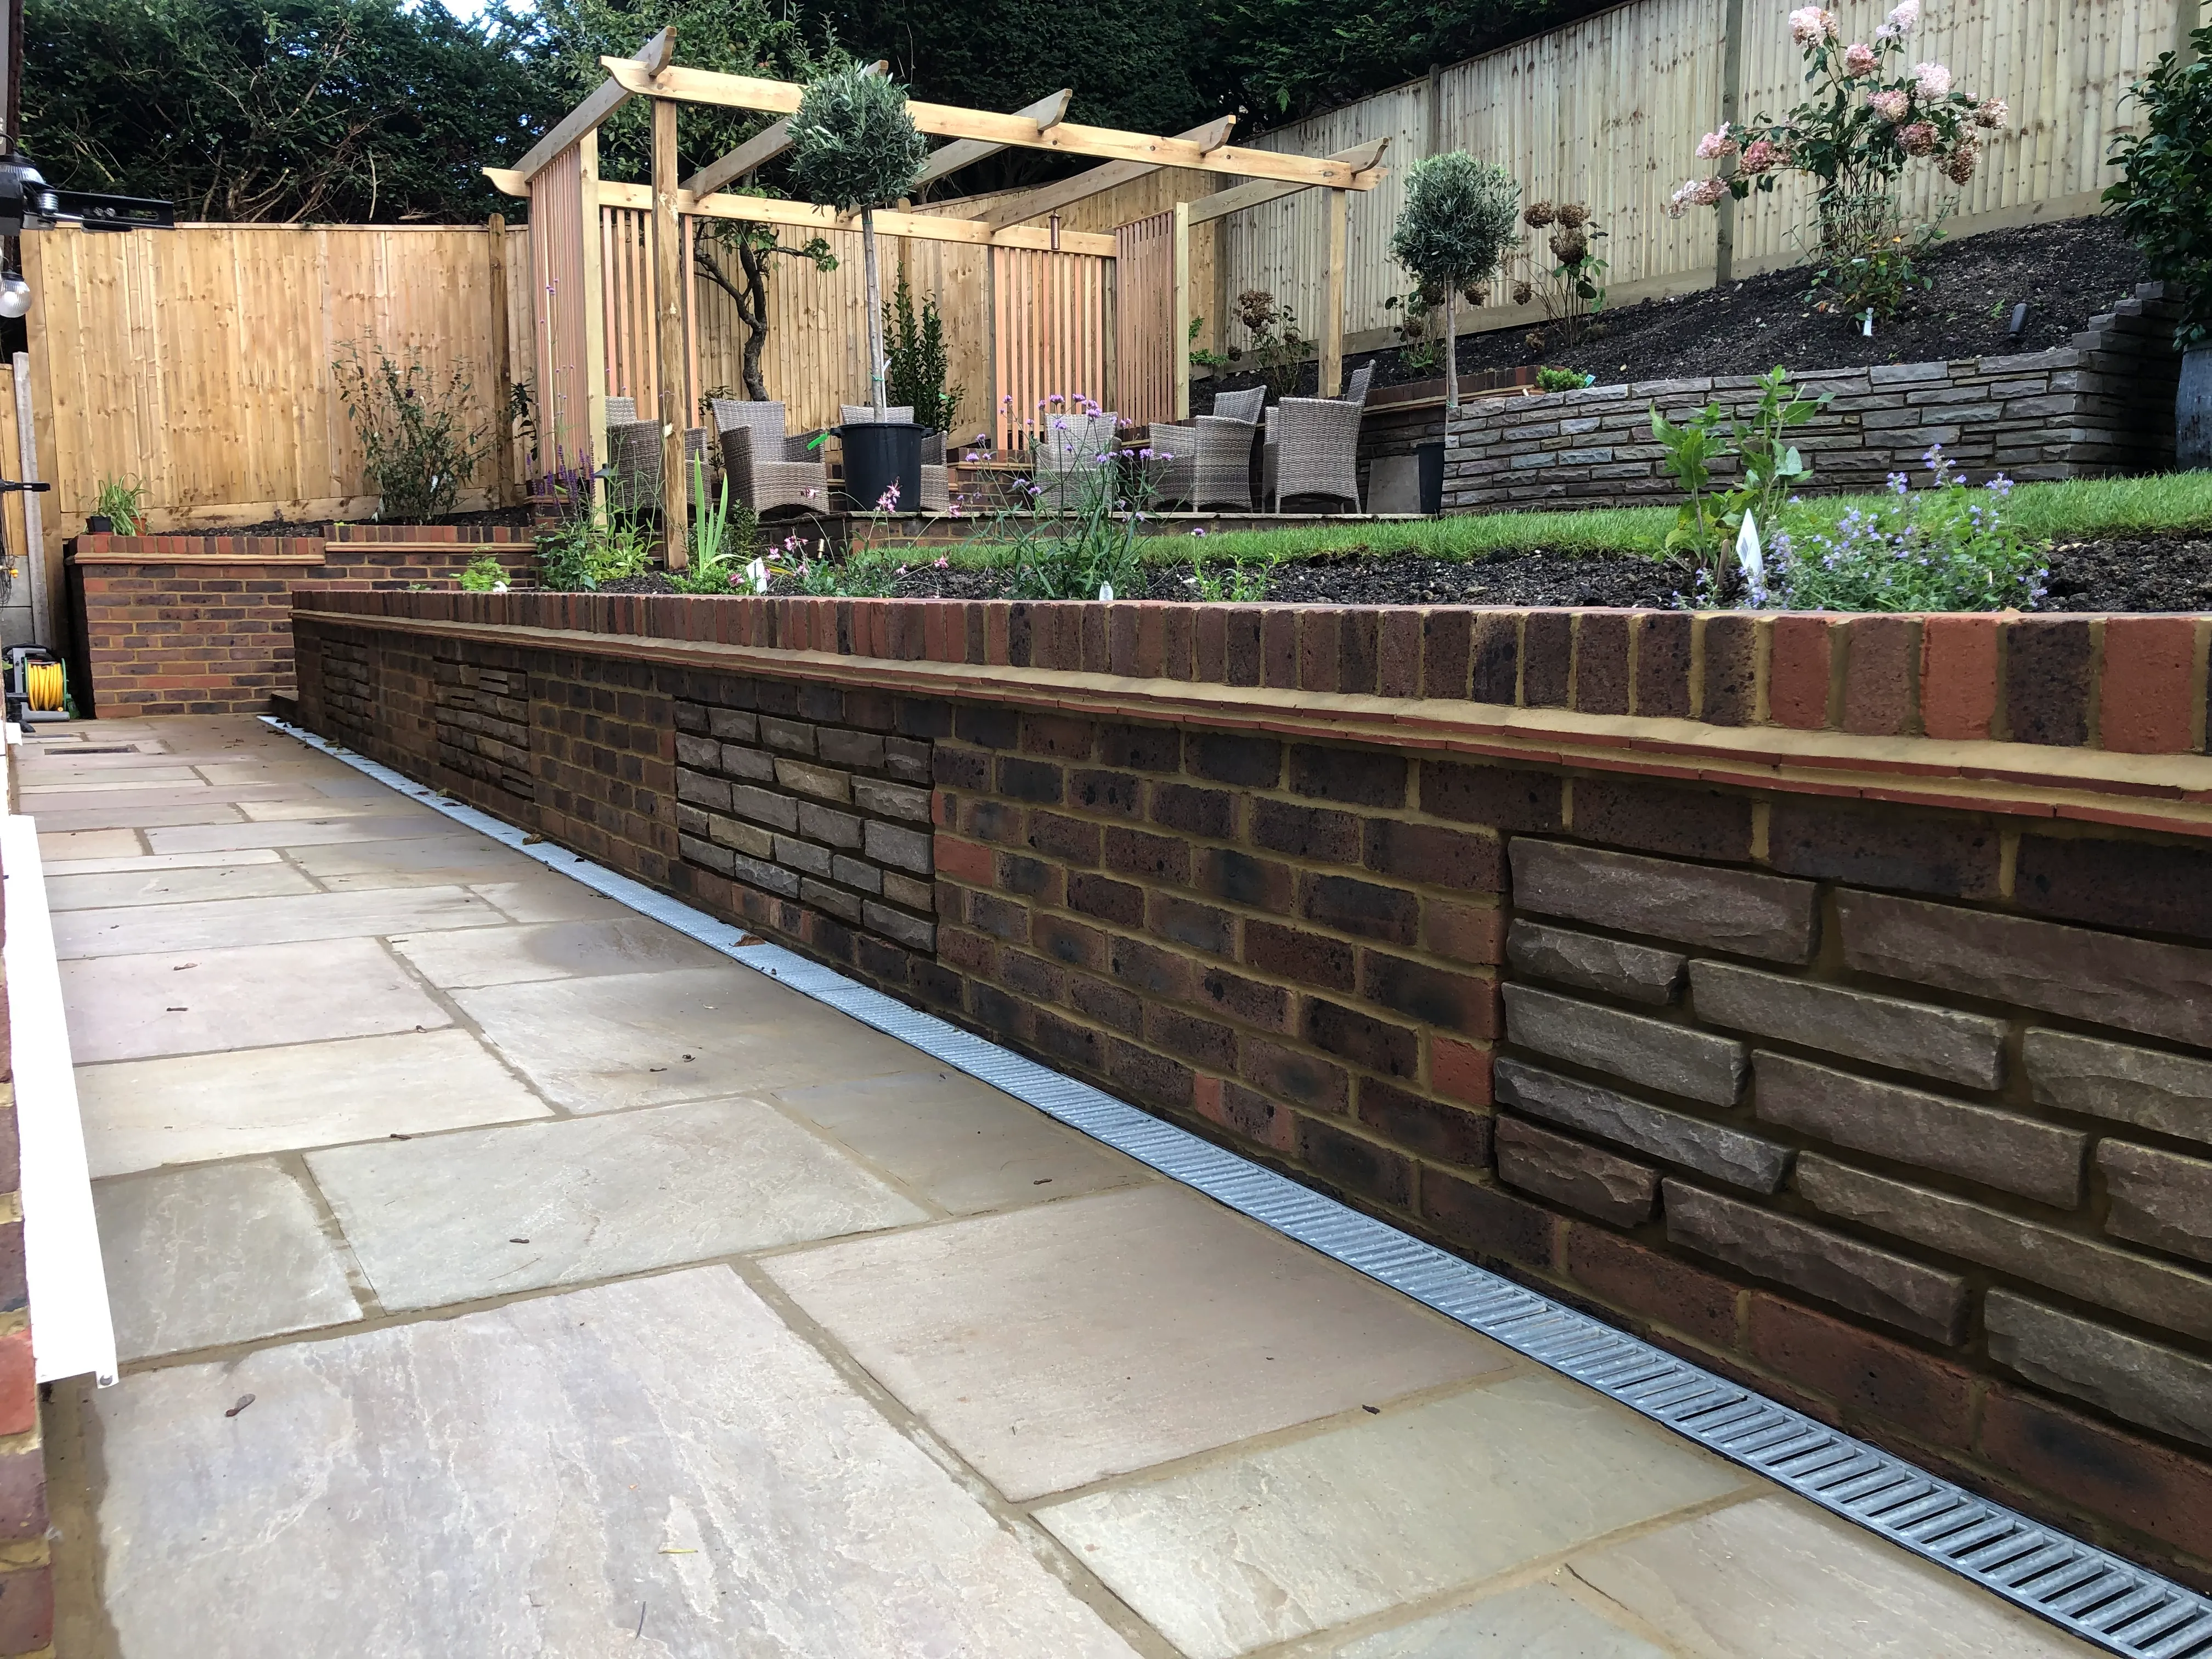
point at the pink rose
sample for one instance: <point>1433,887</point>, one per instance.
<point>1859,61</point>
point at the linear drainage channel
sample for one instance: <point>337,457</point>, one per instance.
<point>2112,1602</point>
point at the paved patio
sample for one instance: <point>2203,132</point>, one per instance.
<point>497,1271</point>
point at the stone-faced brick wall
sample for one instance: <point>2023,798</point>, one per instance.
<point>1892,1098</point>
<point>201,624</point>
<point>2102,405</point>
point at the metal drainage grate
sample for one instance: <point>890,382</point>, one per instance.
<point>2088,1591</point>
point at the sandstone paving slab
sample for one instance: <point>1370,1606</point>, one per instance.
<point>416,860</point>
<point>548,897</point>
<point>116,888</point>
<point>293,804</point>
<point>283,921</point>
<point>966,1145</point>
<point>616,1040</point>
<point>131,859</point>
<point>53,780</point>
<point>35,798</point>
<point>87,844</point>
<point>285,759</point>
<point>252,996</point>
<point>630,944</point>
<point>1777,1579</point>
<point>490,1212</point>
<point>533,1479</point>
<point>231,1253</point>
<point>189,1108</point>
<point>1061,1344</point>
<point>77,816</point>
<point>303,832</point>
<point>1535,1621</point>
<point>1264,1546</point>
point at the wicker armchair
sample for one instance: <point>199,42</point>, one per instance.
<point>622,411</point>
<point>1355,389</point>
<point>1208,462</point>
<point>1313,449</point>
<point>936,493</point>
<point>634,454</point>
<point>767,470</point>
<point>1070,455</point>
<point>1249,405</point>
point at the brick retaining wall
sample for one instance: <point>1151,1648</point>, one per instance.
<point>1870,1080</point>
<point>201,624</point>
<point>2102,405</point>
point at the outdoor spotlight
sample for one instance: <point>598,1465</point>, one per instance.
<point>15,295</point>
<point>27,202</point>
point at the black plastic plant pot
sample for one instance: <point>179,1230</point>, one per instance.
<point>99,524</point>
<point>879,454</point>
<point>1431,458</point>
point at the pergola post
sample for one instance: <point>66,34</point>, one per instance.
<point>1336,211</point>
<point>668,354</point>
<point>595,316</point>
<point>502,370</point>
<point>1178,347</point>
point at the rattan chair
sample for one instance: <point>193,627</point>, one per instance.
<point>1205,464</point>
<point>1248,405</point>
<point>1355,389</point>
<point>622,411</point>
<point>936,492</point>
<point>1070,457</point>
<point>1313,449</point>
<point>634,467</point>
<point>766,469</point>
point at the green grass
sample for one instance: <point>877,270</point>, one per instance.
<point>2081,510</point>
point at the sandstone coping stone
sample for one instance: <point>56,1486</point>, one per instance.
<point>1997,1148</point>
<point>2146,1383</point>
<point>1683,1138</point>
<point>1910,1295</point>
<point>2155,1293</point>
<point>2162,989</point>
<point>2146,1087</point>
<point>1678,1058</point>
<point>1569,1172</point>
<point>2158,1198</point>
<point>1910,1036</point>
<point>1741,912</point>
<point>1634,973</point>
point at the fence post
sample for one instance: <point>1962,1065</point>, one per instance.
<point>1335,206</point>
<point>1178,346</point>
<point>668,333</point>
<point>595,317</point>
<point>502,370</point>
<point>1731,104</point>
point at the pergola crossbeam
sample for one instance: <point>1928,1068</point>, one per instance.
<point>651,59</point>
<point>965,152</point>
<point>1096,181</point>
<point>1360,158</point>
<point>949,121</point>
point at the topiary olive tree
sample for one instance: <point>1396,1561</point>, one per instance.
<point>853,145</point>
<point>1456,225</point>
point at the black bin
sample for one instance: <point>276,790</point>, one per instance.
<point>1431,458</point>
<point>878,454</point>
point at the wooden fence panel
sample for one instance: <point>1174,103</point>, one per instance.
<point>556,308</point>
<point>1050,336</point>
<point>1146,360</point>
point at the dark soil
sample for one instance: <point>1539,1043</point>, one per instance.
<point>325,527</point>
<point>2067,272</point>
<point>2142,572</point>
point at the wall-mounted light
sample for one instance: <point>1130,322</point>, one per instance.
<point>15,296</point>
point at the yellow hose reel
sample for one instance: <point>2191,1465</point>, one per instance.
<point>45,686</point>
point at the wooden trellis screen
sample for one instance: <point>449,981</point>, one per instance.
<point>561,346</point>
<point>1050,338</point>
<point>1144,346</point>
<point>626,296</point>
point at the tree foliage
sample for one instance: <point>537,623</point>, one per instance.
<point>1458,220</point>
<point>283,110</point>
<point>853,143</point>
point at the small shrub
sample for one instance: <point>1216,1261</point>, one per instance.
<point>1456,224</point>
<point>2165,201</point>
<point>485,574</point>
<point>123,504</point>
<point>722,539</point>
<point>1573,289</point>
<point>1240,578</point>
<point>1419,331</point>
<point>416,435</point>
<point>1945,547</point>
<point>1277,346</point>
<point>584,554</point>
<point>1710,524</point>
<point>1563,380</point>
<point>915,342</point>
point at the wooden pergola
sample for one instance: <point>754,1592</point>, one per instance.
<point>562,172</point>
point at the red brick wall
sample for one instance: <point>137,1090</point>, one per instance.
<point>201,624</point>
<point>1900,1112</point>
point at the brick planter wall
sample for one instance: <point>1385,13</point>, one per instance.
<point>2102,405</point>
<point>201,624</point>
<point>1874,1070</point>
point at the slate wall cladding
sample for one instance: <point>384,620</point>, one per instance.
<point>2100,406</point>
<point>1902,1114</point>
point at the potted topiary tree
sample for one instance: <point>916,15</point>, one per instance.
<point>2165,203</point>
<point>1456,225</point>
<point>853,145</point>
